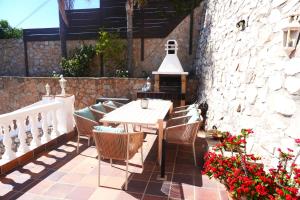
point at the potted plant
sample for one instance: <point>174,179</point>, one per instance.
<point>244,178</point>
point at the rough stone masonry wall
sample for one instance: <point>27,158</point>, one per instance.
<point>17,92</point>
<point>247,79</point>
<point>43,57</point>
<point>154,51</point>
<point>12,57</point>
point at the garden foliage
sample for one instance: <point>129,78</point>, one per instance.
<point>7,32</point>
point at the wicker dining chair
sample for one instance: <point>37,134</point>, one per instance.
<point>99,110</point>
<point>115,144</point>
<point>184,113</point>
<point>112,105</point>
<point>85,122</point>
<point>186,107</point>
<point>183,131</point>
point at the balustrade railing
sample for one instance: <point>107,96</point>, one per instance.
<point>28,128</point>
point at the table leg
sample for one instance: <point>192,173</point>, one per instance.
<point>171,109</point>
<point>160,138</point>
<point>163,160</point>
<point>161,151</point>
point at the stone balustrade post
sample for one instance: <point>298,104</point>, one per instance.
<point>7,141</point>
<point>34,131</point>
<point>65,123</point>
<point>54,132</point>
<point>23,148</point>
<point>46,137</point>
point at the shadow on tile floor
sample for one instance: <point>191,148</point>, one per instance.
<point>64,174</point>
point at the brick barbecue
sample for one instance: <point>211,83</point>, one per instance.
<point>170,79</point>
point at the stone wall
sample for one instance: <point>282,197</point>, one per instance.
<point>17,92</point>
<point>247,79</point>
<point>154,51</point>
<point>43,57</point>
<point>12,57</point>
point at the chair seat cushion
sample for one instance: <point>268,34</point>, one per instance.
<point>111,104</point>
<point>86,113</point>
<point>194,118</point>
<point>192,106</point>
<point>99,107</point>
<point>108,129</point>
<point>192,112</point>
<point>194,115</point>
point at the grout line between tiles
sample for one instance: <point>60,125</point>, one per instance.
<point>148,181</point>
<point>174,163</point>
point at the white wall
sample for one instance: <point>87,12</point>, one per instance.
<point>247,79</point>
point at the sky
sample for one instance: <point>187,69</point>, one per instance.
<point>44,12</point>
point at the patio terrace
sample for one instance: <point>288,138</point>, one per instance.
<point>63,174</point>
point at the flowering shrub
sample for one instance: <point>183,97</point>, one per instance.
<point>244,178</point>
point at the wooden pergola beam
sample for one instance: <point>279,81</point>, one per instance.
<point>62,11</point>
<point>63,23</point>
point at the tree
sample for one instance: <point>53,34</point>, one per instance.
<point>111,49</point>
<point>129,14</point>
<point>6,31</point>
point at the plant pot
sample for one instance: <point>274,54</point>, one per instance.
<point>215,134</point>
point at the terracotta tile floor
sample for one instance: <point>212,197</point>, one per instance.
<point>63,174</point>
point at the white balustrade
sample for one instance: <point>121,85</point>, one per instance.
<point>45,137</point>
<point>65,114</point>
<point>7,141</point>
<point>50,118</point>
<point>23,148</point>
<point>34,131</point>
<point>54,132</point>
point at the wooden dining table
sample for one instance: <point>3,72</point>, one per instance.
<point>133,113</point>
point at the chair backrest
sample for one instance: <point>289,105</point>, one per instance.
<point>184,133</point>
<point>86,113</point>
<point>99,110</point>
<point>113,142</point>
<point>190,132</point>
<point>99,107</point>
<point>193,111</point>
<point>113,104</point>
<point>85,121</point>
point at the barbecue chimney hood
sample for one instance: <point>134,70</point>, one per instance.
<point>171,64</point>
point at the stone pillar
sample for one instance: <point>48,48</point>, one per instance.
<point>64,115</point>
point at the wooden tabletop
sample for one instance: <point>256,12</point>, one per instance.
<point>133,113</point>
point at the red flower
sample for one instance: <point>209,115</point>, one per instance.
<point>279,191</point>
<point>249,131</point>
<point>261,190</point>
<point>242,176</point>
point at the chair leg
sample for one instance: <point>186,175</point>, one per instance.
<point>99,161</point>
<point>126,180</point>
<point>194,152</point>
<point>89,140</point>
<point>142,159</point>
<point>92,140</point>
<point>110,162</point>
<point>127,157</point>
<point>78,137</point>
